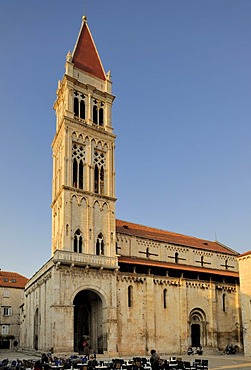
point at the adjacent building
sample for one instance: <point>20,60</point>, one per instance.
<point>11,297</point>
<point>245,295</point>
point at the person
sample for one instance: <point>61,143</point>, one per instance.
<point>38,365</point>
<point>44,359</point>
<point>86,349</point>
<point>190,351</point>
<point>92,363</point>
<point>84,360</point>
<point>230,349</point>
<point>154,360</point>
<point>199,351</point>
<point>165,365</point>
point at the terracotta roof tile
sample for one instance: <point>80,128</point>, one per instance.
<point>172,266</point>
<point>244,254</point>
<point>85,55</point>
<point>132,229</point>
<point>12,280</point>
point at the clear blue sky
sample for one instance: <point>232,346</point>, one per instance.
<point>181,74</point>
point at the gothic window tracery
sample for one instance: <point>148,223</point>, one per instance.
<point>79,105</point>
<point>98,112</point>
<point>78,159</point>
<point>99,172</point>
<point>100,245</point>
<point>78,242</point>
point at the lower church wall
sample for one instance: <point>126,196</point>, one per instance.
<point>165,311</point>
<point>131,313</point>
<point>48,318</point>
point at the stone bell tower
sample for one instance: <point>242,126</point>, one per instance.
<point>83,196</point>
<point>71,297</point>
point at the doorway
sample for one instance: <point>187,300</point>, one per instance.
<point>195,335</point>
<point>88,322</point>
<point>197,325</point>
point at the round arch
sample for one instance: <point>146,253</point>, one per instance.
<point>197,328</point>
<point>90,321</point>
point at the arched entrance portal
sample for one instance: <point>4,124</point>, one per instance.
<point>195,335</point>
<point>197,321</point>
<point>88,322</point>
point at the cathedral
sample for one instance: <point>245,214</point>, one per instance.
<point>123,287</point>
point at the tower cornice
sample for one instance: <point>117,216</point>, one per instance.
<point>93,89</point>
<point>82,193</point>
<point>93,129</point>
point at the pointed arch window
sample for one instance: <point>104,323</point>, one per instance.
<point>101,180</point>
<point>96,179</point>
<point>76,107</point>
<point>95,114</point>
<point>82,109</point>
<point>100,245</point>
<point>99,176</point>
<point>99,172</point>
<point>81,174</point>
<point>78,242</point>
<point>98,112</point>
<point>101,116</point>
<point>75,173</point>
<point>78,158</point>
<point>79,105</point>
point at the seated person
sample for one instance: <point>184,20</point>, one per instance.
<point>92,362</point>
<point>190,351</point>
<point>199,350</point>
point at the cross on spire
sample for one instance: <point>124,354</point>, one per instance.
<point>84,6</point>
<point>147,253</point>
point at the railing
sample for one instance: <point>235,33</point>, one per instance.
<point>85,259</point>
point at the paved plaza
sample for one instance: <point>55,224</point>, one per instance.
<point>216,362</point>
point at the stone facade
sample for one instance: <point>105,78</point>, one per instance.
<point>245,295</point>
<point>11,299</point>
<point>125,288</point>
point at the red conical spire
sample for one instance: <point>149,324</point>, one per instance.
<point>85,55</point>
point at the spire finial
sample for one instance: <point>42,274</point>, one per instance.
<point>84,18</point>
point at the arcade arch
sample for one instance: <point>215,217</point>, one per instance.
<point>89,321</point>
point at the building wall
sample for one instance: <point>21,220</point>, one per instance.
<point>149,324</point>
<point>10,300</point>
<point>164,251</point>
<point>51,291</point>
<point>245,295</point>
